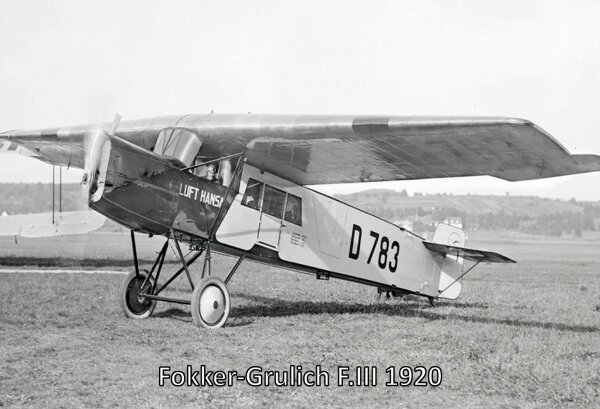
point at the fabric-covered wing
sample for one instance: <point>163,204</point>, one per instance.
<point>319,150</point>
<point>310,150</point>
<point>66,146</point>
<point>12,147</point>
<point>52,146</point>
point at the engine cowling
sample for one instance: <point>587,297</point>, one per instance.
<point>151,193</point>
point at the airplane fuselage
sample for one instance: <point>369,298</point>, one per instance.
<point>265,216</point>
<point>328,236</point>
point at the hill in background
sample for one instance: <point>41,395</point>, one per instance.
<point>469,204</point>
<point>526,214</point>
<point>419,212</point>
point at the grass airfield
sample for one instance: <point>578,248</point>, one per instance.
<point>523,335</point>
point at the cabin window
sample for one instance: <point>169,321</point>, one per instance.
<point>293,210</point>
<point>273,202</point>
<point>252,194</point>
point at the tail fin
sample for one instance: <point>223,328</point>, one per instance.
<point>449,235</point>
<point>446,234</point>
<point>449,241</point>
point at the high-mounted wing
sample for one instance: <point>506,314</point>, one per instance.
<point>67,146</point>
<point>335,150</point>
<point>12,147</point>
<point>311,150</point>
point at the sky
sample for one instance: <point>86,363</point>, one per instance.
<point>73,62</point>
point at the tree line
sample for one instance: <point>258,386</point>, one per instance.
<point>24,198</point>
<point>551,224</point>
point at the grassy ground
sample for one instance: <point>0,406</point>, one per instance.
<point>524,335</point>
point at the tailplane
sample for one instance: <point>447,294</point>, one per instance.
<point>449,241</point>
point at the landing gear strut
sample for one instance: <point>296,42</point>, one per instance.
<point>210,300</point>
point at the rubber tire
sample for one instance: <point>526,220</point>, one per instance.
<point>196,305</point>
<point>125,293</point>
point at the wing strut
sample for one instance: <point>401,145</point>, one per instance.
<point>59,189</point>
<point>213,161</point>
<point>53,195</point>
<point>54,191</point>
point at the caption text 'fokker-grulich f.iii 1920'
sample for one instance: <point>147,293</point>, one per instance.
<point>236,184</point>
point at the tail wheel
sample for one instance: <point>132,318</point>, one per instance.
<point>210,303</point>
<point>133,304</point>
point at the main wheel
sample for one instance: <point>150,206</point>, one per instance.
<point>134,305</point>
<point>210,303</point>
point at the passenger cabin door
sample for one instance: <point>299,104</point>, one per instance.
<point>273,203</point>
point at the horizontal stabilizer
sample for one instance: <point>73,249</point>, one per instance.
<point>468,254</point>
<point>42,225</point>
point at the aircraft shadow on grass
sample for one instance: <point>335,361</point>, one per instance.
<point>274,307</point>
<point>175,313</point>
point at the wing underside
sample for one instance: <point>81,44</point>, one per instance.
<point>310,150</point>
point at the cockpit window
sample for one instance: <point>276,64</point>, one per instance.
<point>293,210</point>
<point>273,202</point>
<point>252,194</point>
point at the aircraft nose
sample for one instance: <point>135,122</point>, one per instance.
<point>97,149</point>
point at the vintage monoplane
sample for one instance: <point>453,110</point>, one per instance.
<point>237,184</point>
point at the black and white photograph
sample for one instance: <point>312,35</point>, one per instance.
<point>338,204</point>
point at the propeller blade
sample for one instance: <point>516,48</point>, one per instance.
<point>96,144</point>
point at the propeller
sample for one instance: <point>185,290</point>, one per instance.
<point>97,150</point>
